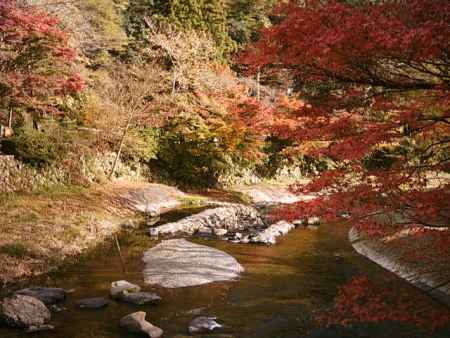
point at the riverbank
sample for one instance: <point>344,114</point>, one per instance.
<point>41,231</point>
<point>430,271</point>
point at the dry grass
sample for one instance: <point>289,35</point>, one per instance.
<point>40,231</point>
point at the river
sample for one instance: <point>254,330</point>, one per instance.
<point>280,289</point>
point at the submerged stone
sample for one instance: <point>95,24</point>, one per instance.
<point>178,263</point>
<point>93,303</point>
<point>203,324</point>
<point>140,298</point>
<point>45,295</point>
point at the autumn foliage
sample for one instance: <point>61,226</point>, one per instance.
<point>36,61</point>
<point>363,301</point>
<point>380,106</point>
<point>375,78</point>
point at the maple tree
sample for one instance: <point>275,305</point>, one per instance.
<point>36,61</point>
<point>380,105</point>
<point>375,78</point>
<point>364,301</point>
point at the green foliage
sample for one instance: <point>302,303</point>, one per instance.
<point>193,201</point>
<point>275,159</point>
<point>37,148</point>
<point>141,145</point>
<point>247,17</point>
<point>191,151</point>
<point>17,250</point>
<point>209,16</point>
<point>107,21</point>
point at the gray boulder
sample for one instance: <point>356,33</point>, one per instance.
<point>178,263</point>
<point>270,235</point>
<point>24,312</point>
<point>45,295</point>
<point>203,324</point>
<point>140,298</point>
<point>118,287</point>
<point>136,323</point>
<point>230,217</point>
<point>45,327</point>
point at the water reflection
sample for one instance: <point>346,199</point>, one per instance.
<point>281,287</point>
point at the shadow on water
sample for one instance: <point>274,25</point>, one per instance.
<point>280,289</point>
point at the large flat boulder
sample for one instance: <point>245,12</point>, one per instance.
<point>266,194</point>
<point>178,263</point>
<point>230,217</point>
<point>153,199</point>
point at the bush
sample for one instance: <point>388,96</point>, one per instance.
<point>275,159</point>
<point>37,148</point>
<point>191,152</point>
<point>18,250</point>
<point>141,145</point>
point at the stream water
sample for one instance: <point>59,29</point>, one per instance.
<point>281,287</point>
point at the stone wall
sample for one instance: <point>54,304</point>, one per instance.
<point>98,169</point>
<point>16,176</point>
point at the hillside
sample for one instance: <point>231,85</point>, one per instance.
<point>158,76</point>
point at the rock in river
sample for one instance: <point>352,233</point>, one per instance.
<point>140,298</point>
<point>230,217</point>
<point>45,295</point>
<point>24,311</point>
<point>203,325</point>
<point>121,286</point>
<point>178,263</point>
<point>93,303</point>
<point>269,236</point>
<point>136,323</point>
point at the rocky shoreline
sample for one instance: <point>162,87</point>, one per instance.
<point>174,263</point>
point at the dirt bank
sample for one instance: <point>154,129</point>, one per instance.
<point>41,231</point>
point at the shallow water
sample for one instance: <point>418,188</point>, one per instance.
<point>275,297</point>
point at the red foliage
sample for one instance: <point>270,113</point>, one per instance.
<point>36,61</point>
<point>385,117</point>
<point>362,300</point>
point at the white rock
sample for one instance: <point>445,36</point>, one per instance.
<point>178,263</point>
<point>136,323</point>
<point>299,222</point>
<point>229,217</point>
<point>313,220</point>
<point>269,236</point>
<point>117,288</point>
<point>220,232</point>
<point>203,325</point>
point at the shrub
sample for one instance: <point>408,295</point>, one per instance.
<point>141,145</point>
<point>18,250</point>
<point>37,148</point>
<point>191,152</point>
